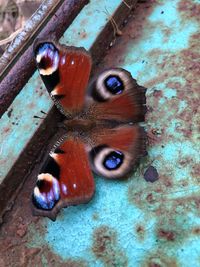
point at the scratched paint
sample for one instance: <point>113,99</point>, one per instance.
<point>134,222</point>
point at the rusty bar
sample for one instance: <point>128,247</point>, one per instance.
<point>24,67</point>
<point>107,37</point>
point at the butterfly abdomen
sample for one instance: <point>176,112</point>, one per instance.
<point>81,125</point>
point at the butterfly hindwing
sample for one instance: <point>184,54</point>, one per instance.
<point>65,71</point>
<point>117,150</point>
<point>66,179</point>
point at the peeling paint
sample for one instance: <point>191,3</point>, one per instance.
<point>106,249</point>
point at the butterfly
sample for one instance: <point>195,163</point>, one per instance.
<point>101,123</point>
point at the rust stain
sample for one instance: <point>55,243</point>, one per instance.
<point>106,248</point>
<point>140,231</point>
<point>159,260</point>
<point>83,35</point>
<point>190,9</point>
<point>196,231</point>
<point>166,234</point>
<point>6,130</point>
<point>157,93</point>
<point>20,255</point>
<point>196,171</point>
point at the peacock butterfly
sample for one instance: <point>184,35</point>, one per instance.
<point>102,134</point>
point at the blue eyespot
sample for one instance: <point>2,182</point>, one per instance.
<point>46,194</point>
<point>113,160</point>
<point>52,167</point>
<point>45,47</point>
<point>114,85</point>
<point>49,56</point>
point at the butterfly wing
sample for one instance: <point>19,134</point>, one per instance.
<point>65,71</point>
<point>117,150</point>
<point>117,102</point>
<point>118,97</point>
<point>66,179</point>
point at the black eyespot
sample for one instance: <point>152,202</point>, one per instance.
<point>51,81</point>
<point>52,167</point>
<point>113,160</point>
<point>96,150</point>
<point>59,151</point>
<point>114,85</point>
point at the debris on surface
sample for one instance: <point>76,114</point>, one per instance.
<point>13,15</point>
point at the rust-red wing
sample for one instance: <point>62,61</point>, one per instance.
<point>125,108</point>
<point>65,72</point>
<point>125,137</point>
<point>65,180</point>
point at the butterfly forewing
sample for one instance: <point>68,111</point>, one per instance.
<point>65,72</point>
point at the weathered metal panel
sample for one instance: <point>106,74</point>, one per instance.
<point>136,222</point>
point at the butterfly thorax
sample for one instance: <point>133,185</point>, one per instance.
<point>80,125</point>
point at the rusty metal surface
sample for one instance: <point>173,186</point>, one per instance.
<point>144,221</point>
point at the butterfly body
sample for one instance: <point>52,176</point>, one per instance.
<point>102,134</point>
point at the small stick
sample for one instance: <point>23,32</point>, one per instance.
<point>10,38</point>
<point>117,31</point>
<point>126,4</point>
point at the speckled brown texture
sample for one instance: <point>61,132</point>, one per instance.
<point>106,248</point>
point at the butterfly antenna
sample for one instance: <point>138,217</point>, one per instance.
<point>38,117</point>
<point>43,112</point>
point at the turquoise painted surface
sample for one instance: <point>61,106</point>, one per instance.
<point>17,126</point>
<point>135,222</point>
<point>83,31</point>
